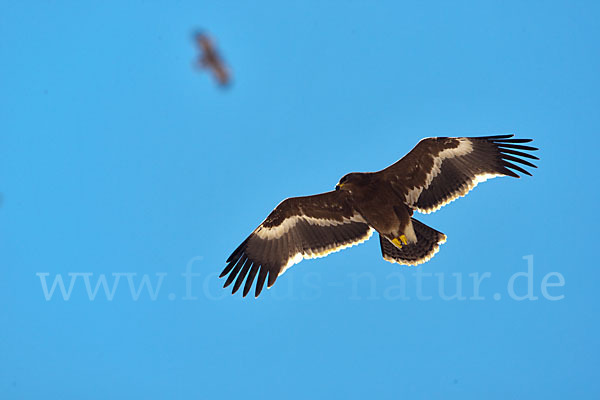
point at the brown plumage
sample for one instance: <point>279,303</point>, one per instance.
<point>434,173</point>
<point>211,60</point>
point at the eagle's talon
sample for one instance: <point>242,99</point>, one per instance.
<point>397,242</point>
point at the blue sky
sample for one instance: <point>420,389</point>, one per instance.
<point>120,159</point>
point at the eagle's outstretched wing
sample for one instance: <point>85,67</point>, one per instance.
<point>440,170</point>
<point>298,228</point>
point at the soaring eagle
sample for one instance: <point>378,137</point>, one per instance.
<point>434,173</point>
<point>210,58</point>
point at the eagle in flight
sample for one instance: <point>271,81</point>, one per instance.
<point>210,59</point>
<point>434,173</point>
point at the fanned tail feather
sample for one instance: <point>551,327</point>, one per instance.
<point>427,244</point>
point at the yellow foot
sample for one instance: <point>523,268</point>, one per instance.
<point>403,238</point>
<point>399,241</point>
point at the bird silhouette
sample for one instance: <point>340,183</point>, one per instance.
<point>211,60</point>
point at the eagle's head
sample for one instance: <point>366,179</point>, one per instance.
<point>351,180</point>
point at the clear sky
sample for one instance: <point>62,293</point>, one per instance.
<point>121,161</point>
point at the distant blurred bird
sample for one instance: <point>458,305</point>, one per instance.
<point>210,58</point>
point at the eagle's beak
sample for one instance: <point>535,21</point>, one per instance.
<point>339,186</point>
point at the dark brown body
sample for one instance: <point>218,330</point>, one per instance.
<point>371,197</point>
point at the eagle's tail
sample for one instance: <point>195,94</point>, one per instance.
<point>427,244</point>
